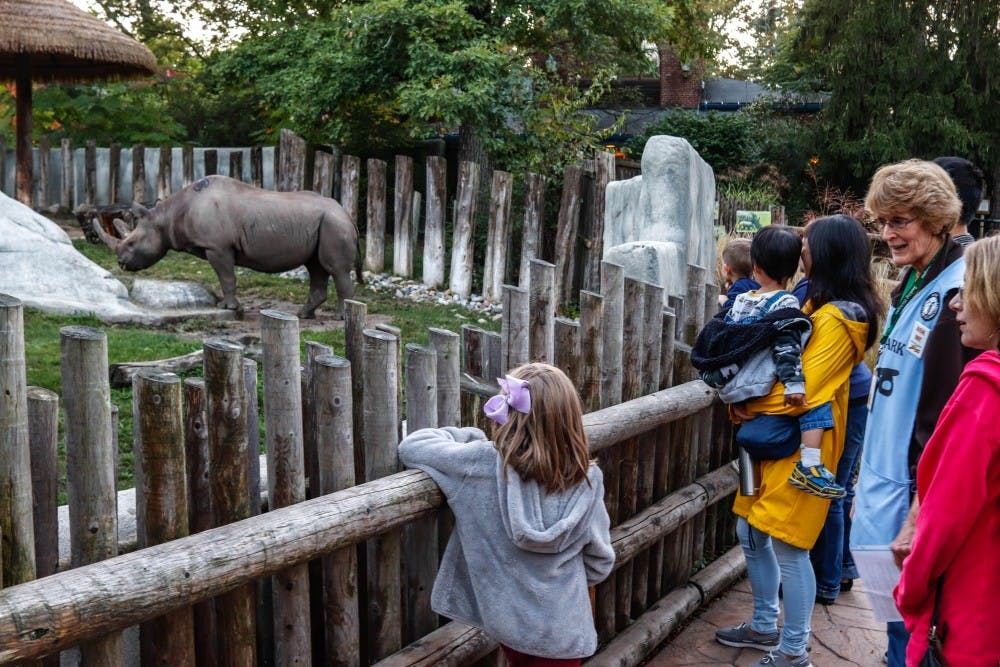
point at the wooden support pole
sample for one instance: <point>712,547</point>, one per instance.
<point>310,442</point>
<point>514,327</point>
<point>462,250</point>
<point>323,166</point>
<point>566,231</point>
<point>16,525</point>
<point>694,314</point>
<point>446,345</point>
<point>90,464</point>
<point>279,340</point>
<point>604,173</point>
<point>498,235</point>
<point>420,538</point>
<point>381,424</point>
<point>402,211</point>
<point>591,349</point>
<point>257,166</point>
<point>90,172</point>
<point>331,389</point>
<point>44,195</point>
<point>236,165</point>
<point>433,267</point>
<point>187,164</point>
<point>114,174</point>
<point>43,440</point>
<point>161,502</point>
<point>566,355</point>
<point>67,174</point>
<point>355,317</point>
<point>164,174</point>
<point>292,151</point>
<point>375,230</point>
<point>211,157</point>
<point>531,241</point>
<point>139,173</point>
<point>24,182</point>
<point>350,190</point>
<point>541,307</point>
<point>225,392</point>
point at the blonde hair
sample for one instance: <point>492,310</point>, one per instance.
<point>982,279</point>
<point>737,255</point>
<point>548,444</point>
<point>920,187</point>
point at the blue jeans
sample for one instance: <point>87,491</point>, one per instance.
<point>898,639</point>
<point>771,562</point>
<point>831,555</point>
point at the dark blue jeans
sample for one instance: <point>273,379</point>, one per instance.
<point>831,556</point>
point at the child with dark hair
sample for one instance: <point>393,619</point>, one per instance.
<point>737,269</point>
<point>743,350</point>
<point>968,180</point>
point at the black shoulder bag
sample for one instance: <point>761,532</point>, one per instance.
<point>934,657</point>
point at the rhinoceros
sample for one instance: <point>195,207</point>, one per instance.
<point>231,224</point>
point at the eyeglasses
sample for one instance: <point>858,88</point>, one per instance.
<point>895,224</point>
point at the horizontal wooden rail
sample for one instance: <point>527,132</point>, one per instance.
<point>456,644</point>
<point>43,616</point>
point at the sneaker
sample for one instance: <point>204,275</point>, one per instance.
<point>743,637</point>
<point>777,659</point>
<point>816,480</point>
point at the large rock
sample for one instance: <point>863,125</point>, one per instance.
<point>40,266</point>
<point>658,223</point>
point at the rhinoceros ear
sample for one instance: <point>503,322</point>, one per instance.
<point>139,210</point>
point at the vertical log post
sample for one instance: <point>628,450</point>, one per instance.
<point>472,366</point>
<point>433,268</point>
<point>694,315</point>
<point>566,355</point>
<point>257,166</point>
<point>211,157</point>
<point>3,161</point>
<point>462,250</point>
<point>632,355</point>
<point>22,152</point>
<point>604,173</point>
<point>566,232</point>
<point>253,435</point>
<point>514,327</point>
<point>541,307</point>
<point>43,440</point>
<point>375,233</point>
<point>279,339</point>
<point>420,542</point>
<point>200,513</point>
<point>90,172</point>
<point>16,525</point>
<point>236,165</point>
<point>164,174</point>
<point>446,346</point>
<point>162,506</point>
<point>138,173</point>
<point>355,316</point>
<point>310,441</point>
<point>498,236</point>
<point>661,456</point>
<point>350,190</point>
<point>381,424</point>
<point>591,349</point>
<point>652,311</point>
<point>531,242</point>
<point>402,213</point>
<point>323,164</point>
<point>292,151</point>
<point>44,196</point>
<point>331,390</point>
<point>90,464</point>
<point>225,398</point>
<point>114,176</point>
<point>187,164</point>
<point>66,185</point>
<point>492,354</point>
<point>676,304</point>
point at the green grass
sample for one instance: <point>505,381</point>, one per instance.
<point>142,343</point>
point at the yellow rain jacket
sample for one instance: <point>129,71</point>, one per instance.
<point>779,509</point>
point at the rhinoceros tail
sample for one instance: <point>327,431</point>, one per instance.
<point>358,260</point>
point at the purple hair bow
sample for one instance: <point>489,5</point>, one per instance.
<point>515,396</point>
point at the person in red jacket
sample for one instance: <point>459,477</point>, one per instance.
<point>953,561</point>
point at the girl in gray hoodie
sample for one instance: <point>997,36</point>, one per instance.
<point>531,530</point>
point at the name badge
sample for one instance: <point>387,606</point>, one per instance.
<point>918,339</point>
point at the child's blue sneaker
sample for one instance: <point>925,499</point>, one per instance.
<point>816,480</point>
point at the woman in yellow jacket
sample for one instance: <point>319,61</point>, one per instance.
<point>778,526</point>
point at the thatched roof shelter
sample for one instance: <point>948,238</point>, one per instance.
<point>53,40</point>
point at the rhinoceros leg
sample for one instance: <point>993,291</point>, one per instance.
<point>319,279</point>
<point>223,264</point>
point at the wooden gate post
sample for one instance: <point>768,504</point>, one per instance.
<point>591,349</point>
<point>90,464</point>
<point>16,525</point>
<point>542,306</point>
<point>449,405</point>
<point>514,327</point>
<point>67,174</point>
<point>462,249</point>
<point>225,393</point>
<point>498,235</point>
<point>161,502</point>
<point>375,230</point>
<point>138,173</point>
<point>279,339</point>
<point>402,214</point>
<point>164,175</point>
<point>531,242</point>
<point>433,268</point>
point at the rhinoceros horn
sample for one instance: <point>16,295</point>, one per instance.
<point>120,227</point>
<point>108,239</point>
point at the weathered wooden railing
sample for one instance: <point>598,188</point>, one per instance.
<point>47,615</point>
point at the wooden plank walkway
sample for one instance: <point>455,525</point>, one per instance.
<point>843,635</point>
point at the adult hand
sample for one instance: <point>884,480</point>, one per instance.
<point>741,412</point>
<point>902,545</point>
<point>796,399</point>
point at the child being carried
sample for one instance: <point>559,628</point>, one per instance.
<point>745,349</point>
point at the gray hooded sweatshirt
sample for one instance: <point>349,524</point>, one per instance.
<point>519,560</point>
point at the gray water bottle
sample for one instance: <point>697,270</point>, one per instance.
<point>749,474</point>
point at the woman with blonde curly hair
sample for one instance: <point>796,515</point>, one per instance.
<point>951,572</point>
